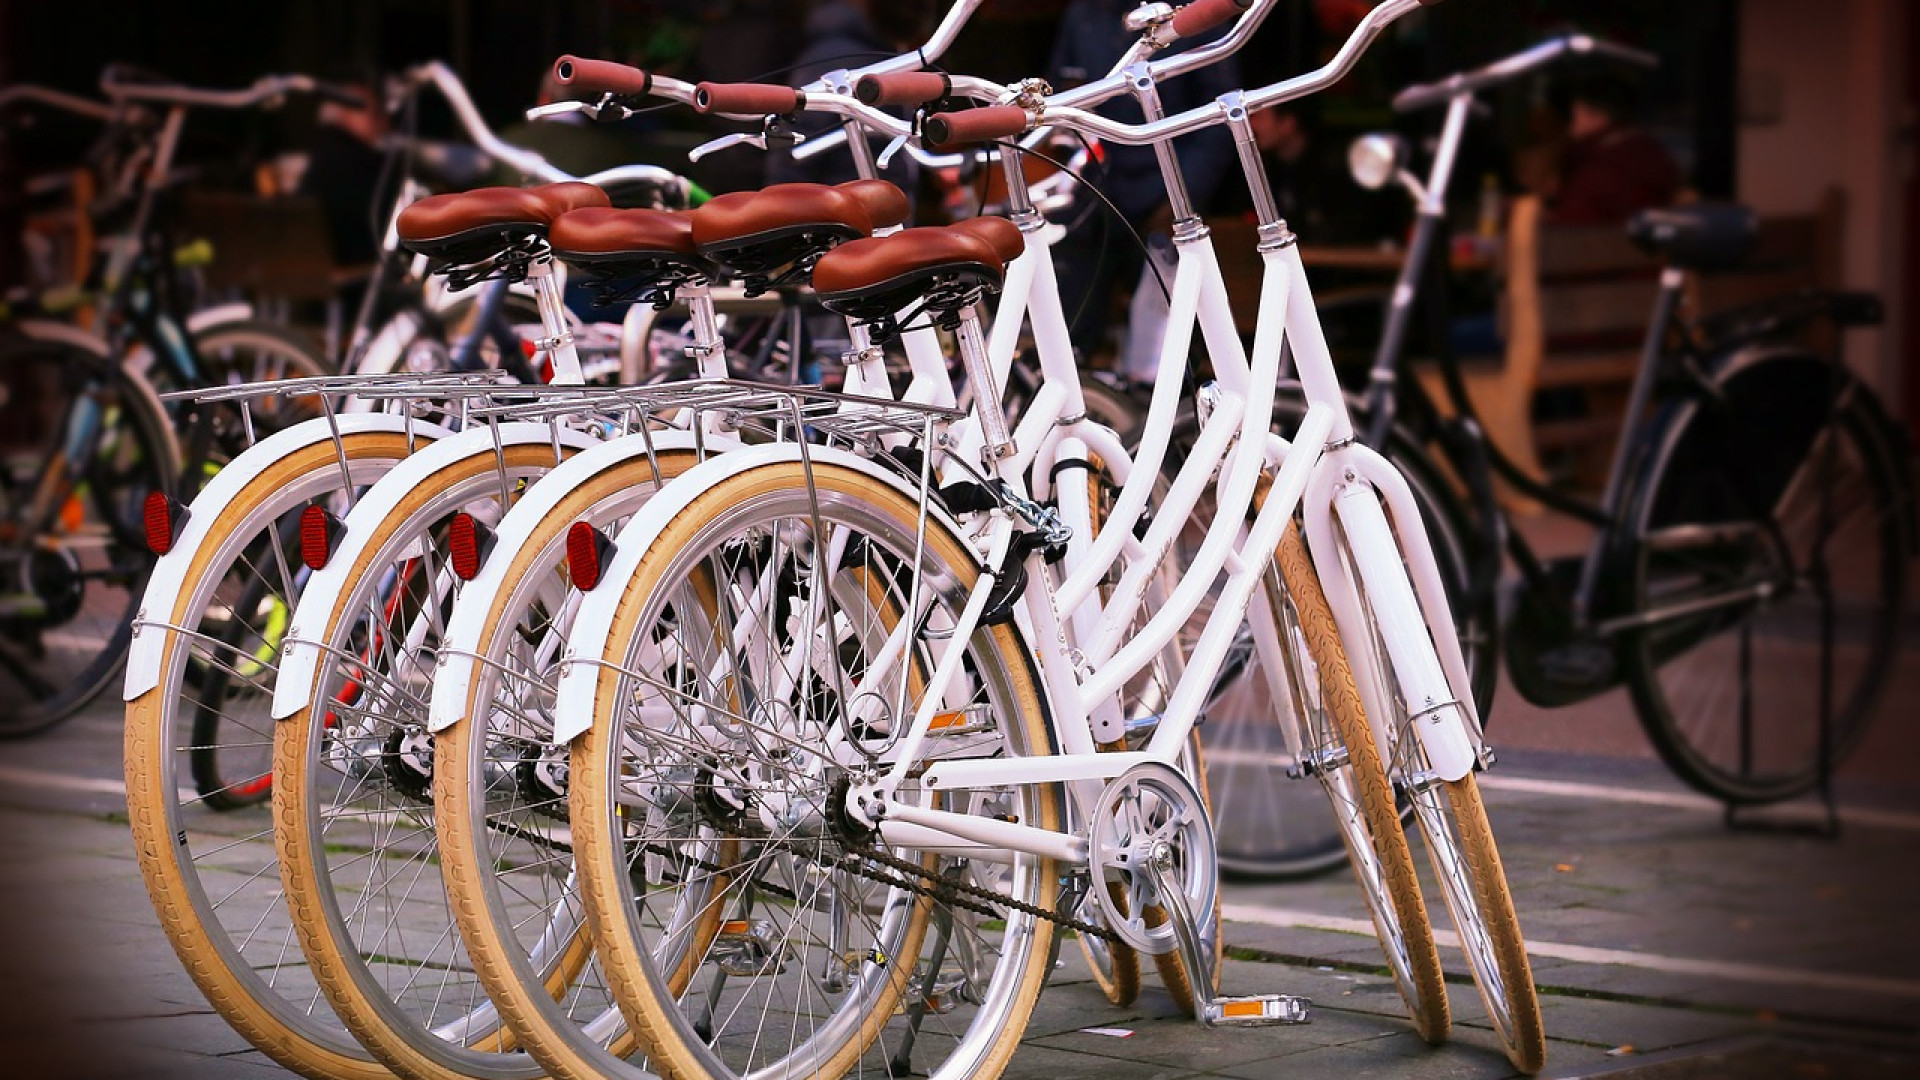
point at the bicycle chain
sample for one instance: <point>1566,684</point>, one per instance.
<point>946,890</point>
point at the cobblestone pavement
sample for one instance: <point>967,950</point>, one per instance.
<point>1666,945</point>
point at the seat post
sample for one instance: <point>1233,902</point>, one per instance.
<point>987,401</point>
<point>708,350</point>
<point>558,342</point>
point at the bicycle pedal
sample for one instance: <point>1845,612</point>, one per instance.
<point>943,994</point>
<point>1260,1010</point>
<point>747,948</point>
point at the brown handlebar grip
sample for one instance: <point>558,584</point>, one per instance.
<point>903,88</point>
<point>745,99</point>
<point>976,125</point>
<point>601,76</point>
<point>1203,15</point>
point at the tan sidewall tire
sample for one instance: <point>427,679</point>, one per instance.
<point>156,848</point>
<point>1528,1048</point>
<point>464,868</point>
<point>299,870</point>
<point>598,855</point>
<point>1121,981</point>
<point>1342,696</point>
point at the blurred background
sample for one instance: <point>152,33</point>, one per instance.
<point>1782,104</point>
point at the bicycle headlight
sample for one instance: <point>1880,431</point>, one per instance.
<point>1375,159</point>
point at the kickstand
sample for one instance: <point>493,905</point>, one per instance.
<point>901,1064</point>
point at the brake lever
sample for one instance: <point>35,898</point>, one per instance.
<point>771,130</point>
<point>561,108</point>
<point>898,143</point>
<point>755,139</point>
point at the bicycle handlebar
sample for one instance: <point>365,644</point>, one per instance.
<point>746,99</point>
<point>264,89</point>
<point>1203,15</point>
<point>1427,95</point>
<point>1085,95</point>
<point>58,99</point>
<point>936,46</point>
<point>1057,113</point>
<point>903,88</point>
<point>977,125</point>
<point>601,76</point>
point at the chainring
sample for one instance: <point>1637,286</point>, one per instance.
<point>1151,811</point>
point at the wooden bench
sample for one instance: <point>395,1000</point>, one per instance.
<point>271,248</point>
<point>1575,309</point>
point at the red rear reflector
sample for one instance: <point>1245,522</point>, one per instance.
<point>319,531</point>
<point>165,517</point>
<point>587,551</point>
<point>468,543</point>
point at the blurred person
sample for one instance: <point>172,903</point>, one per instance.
<point>1611,168</point>
<point>345,162</point>
<point>845,34</point>
<point>1099,256</point>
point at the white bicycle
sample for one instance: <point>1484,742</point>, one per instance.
<point>809,655</point>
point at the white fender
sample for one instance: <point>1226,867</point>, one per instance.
<point>1442,733</point>
<point>580,674</point>
<point>210,318</point>
<point>139,358</point>
<point>64,333</point>
<point>383,354</point>
<point>453,680</point>
<point>300,656</point>
<point>169,574</point>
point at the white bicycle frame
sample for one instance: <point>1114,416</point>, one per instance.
<point>1366,555</point>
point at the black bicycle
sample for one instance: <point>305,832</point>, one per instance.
<point>1756,517</point>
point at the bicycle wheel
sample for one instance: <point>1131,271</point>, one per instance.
<point>1268,826</point>
<point>247,351</point>
<point>82,450</point>
<point>1772,519</point>
<point>1363,801</point>
<point>242,351</point>
<point>500,785</point>
<point>352,796</point>
<point>248,630</point>
<point>212,876</point>
<point>1453,824</point>
<point>719,720</point>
